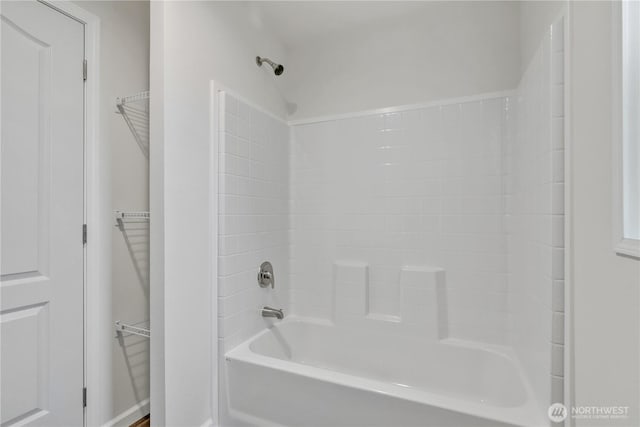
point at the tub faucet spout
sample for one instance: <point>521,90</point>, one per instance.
<point>272,312</point>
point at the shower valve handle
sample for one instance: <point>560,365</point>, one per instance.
<point>265,275</point>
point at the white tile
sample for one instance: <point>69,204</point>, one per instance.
<point>557,101</point>
<point>557,231</point>
<point>557,360</point>
<point>558,68</point>
<point>557,170</point>
<point>557,133</point>
<point>558,296</point>
<point>392,121</point>
<point>231,124</point>
<point>557,389</point>
<point>557,334</point>
<point>557,199</point>
<point>557,263</point>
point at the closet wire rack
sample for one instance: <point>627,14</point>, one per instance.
<point>134,109</point>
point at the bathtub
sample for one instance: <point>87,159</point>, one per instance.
<point>304,373</point>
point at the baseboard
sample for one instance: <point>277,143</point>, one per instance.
<point>128,417</point>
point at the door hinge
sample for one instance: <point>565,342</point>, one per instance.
<point>84,397</point>
<point>84,234</point>
<point>84,70</point>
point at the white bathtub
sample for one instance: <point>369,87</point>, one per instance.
<point>300,373</point>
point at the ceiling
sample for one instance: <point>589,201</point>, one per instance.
<point>295,23</point>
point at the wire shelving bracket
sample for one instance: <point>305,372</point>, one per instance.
<point>134,109</point>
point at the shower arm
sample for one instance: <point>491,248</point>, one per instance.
<point>260,60</point>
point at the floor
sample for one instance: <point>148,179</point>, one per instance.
<point>143,422</point>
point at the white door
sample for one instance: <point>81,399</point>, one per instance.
<point>42,251</point>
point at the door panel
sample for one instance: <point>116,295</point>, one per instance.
<point>25,161</point>
<point>42,254</point>
<point>25,332</point>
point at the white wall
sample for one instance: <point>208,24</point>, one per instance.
<point>442,50</point>
<point>534,20</point>
<point>196,42</point>
<point>606,287</point>
<point>124,59</point>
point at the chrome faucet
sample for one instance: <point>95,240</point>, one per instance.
<point>272,312</point>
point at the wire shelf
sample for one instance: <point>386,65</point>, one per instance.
<point>123,328</point>
<point>138,216</point>
<point>134,109</point>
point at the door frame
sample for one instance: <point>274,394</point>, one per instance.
<point>97,251</point>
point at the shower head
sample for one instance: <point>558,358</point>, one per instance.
<point>277,68</point>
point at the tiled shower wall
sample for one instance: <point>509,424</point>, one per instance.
<point>419,188</point>
<point>253,217</point>
<point>535,214</point>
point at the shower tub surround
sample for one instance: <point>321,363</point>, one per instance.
<point>253,220</point>
<point>409,245</point>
